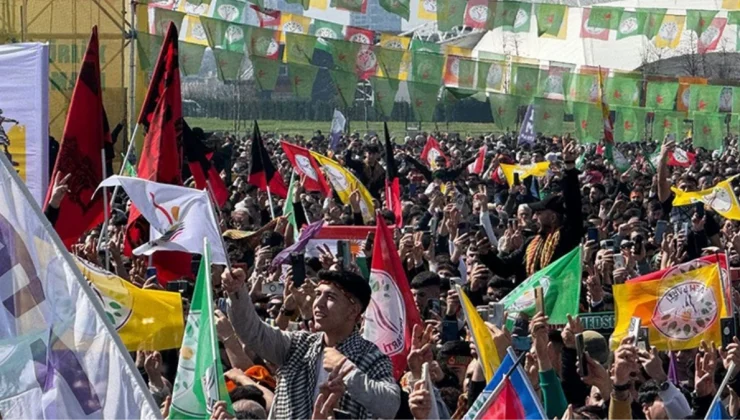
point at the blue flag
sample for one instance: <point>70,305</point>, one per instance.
<point>717,411</point>
<point>526,133</point>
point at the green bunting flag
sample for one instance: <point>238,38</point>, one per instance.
<point>503,13</point>
<point>345,84</point>
<point>229,64</point>
<point>733,17</point>
<point>735,100</point>
<point>427,67</point>
<point>358,6</point>
<point>661,95</point>
<point>653,19</point>
<point>199,382</point>
<point>705,98</point>
<point>263,42</point>
<point>450,14</point>
<point>425,46</point>
<point>384,94</point>
<point>397,7</point>
<point>344,54</point>
<point>526,79</point>
<point>504,109</point>
<point>191,57</point>
<point>326,30</point>
<point>699,20</point>
<point>423,100</point>
<point>466,73</point>
<point>162,19</point>
<point>665,123</point>
<point>631,24</point>
<point>299,48</point>
<point>148,47</point>
<point>389,61</point>
<point>623,91</point>
<point>229,10</point>
<point>708,130</point>
<point>491,75</point>
<point>588,121</point>
<point>453,94</point>
<point>523,18</point>
<point>549,18</point>
<point>583,88</point>
<point>548,116</point>
<point>304,3</point>
<point>605,17</point>
<point>301,79</point>
<point>629,124</point>
<point>225,35</point>
<point>554,82</point>
<point>561,286</point>
<point>265,72</point>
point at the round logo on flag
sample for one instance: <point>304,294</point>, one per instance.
<point>709,35</point>
<point>117,301</point>
<point>479,13</point>
<point>326,33</point>
<point>522,17</point>
<point>430,6</point>
<point>305,165</point>
<point>198,32</point>
<point>591,30</point>
<point>185,381</point>
<point>228,12</point>
<point>293,27</point>
<point>593,93</point>
<point>366,60</point>
<point>668,31</point>
<point>554,84</point>
<point>234,34</point>
<point>455,67</point>
<point>195,9</point>
<point>725,99</point>
<point>686,97</point>
<point>526,301</point>
<point>495,75</point>
<point>719,199</point>
<point>680,155</point>
<point>361,38</point>
<point>338,180</point>
<point>393,44</point>
<point>628,25</point>
<point>685,310</point>
<point>267,45</point>
<point>385,318</point>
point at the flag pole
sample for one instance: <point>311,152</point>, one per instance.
<point>718,394</point>
<point>500,386</point>
<point>269,198</point>
<point>217,218</point>
<point>104,230</point>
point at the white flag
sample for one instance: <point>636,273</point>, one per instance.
<point>179,217</point>
<point>59,355</point>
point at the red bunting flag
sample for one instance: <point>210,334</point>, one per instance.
<point>86,132</point>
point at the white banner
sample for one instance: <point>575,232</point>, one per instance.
<point>24,121</point>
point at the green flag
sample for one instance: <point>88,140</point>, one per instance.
<point>229,64</point>
<point>629,124</point>
<point>191,57</point>
<point>708,130</point>
<point>504,14</point>
<point>605,17</point>
<point>326,30</point>
<point>199,383</point>
<point>491,75</point>
<point>148,47</point>
<point>397,7</point>
<point>523,19</point>
<point>384,94</point>
<point>389,61</point>
<point>229,10</point>
<point>225,35</point>
<point>504,109</point>
<point>549,18</point>
<point>450,13</point>
<point>265,72</point>
<point>555,81</point>
<point>453,94</point>
<point>548,116</point>
<point>423,100</point>
<point>263,42</point>
<point>425,46</point>
<point>466,73</point>
<point>351,5</point>
<point>304,3</point>
<point>588,121</point>
<point>288,207</point>
<point>344,54</point>
<point>526,79</point>
<point>561,286</point>
<point>345,84</point>
<point>699,20</point>
<point>665,123</point>
<point>661,95</point>
<point>705,98</point>
<point>162,19</point>
<point>653,19</point>
<point>631,24</point>
<point>427,67</point>
<point>299,48</point>
<point>623,91</point>
<point>301,79</point>
<point>583,88</point>
<point>733,17</point>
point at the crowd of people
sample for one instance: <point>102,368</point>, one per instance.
<point>301,354</point>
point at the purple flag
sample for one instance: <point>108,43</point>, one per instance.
<point>526,133</point>
<point>306,235</point>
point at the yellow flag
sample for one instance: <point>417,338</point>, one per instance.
<point>145,319</point>
<point>194,7</point>
<point>524,171</point>
<point>344,183</point>
<point>395,42</point>
<point>731,4</point>
<point>319,4</point>
<point>294,24</point>
<point>669,34</point>
<point>482,337</point>
<point>679,311</point>
<point>427,10</point>
<point>721,198</point>
<point>458,51</point>
<point>194,31</point>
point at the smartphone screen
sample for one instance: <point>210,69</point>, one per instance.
<point>593,234</point>
<point>517,180</point>
<point>496,313</point>
<point>580,348</point>
<point>344,254</point>
<point>660,228</point>
<point>618,261</point>
<point>449,331</point>
<point>298,265</point>
<point>699,210</point>
<point>728,331</point>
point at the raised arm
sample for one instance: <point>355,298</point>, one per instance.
<point>419,167</point>
<point>572,194</point>
<point>664,186</point>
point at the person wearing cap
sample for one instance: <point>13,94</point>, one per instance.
<point>334,359</point>
<point>560,228</point>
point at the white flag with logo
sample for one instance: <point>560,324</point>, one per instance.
<point>179,217</point>
<point>59,355</point>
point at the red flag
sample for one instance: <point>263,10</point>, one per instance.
<point>85,133</point>
<point>166,74</point>
<point>476,14</point>
<point>431,151</point>
<point>391,315</point>
<point>359,35</point>
<point>507,405</point>
<point>305,164</point>
<point>392,183</point>
<point>268,18</point>
<point>477,166</point>
<point>201,167</point>
<point>261,172</point>
<point>681,158</point>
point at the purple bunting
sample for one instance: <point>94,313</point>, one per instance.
<point>306,235</point>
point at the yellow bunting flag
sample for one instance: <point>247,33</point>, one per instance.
<point>721,198</point>
<point>669,34</point>
<point>145,319</point>
<point>524,171</point>
<point>731,4</point>
<point>679,311</point>
<point>194,31</point>
<point>344,183</point>
<point>395,42</point>
<point>427,9</point>
<point>482,337</point>
<point>291,23</point>
<point>319,4</point>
